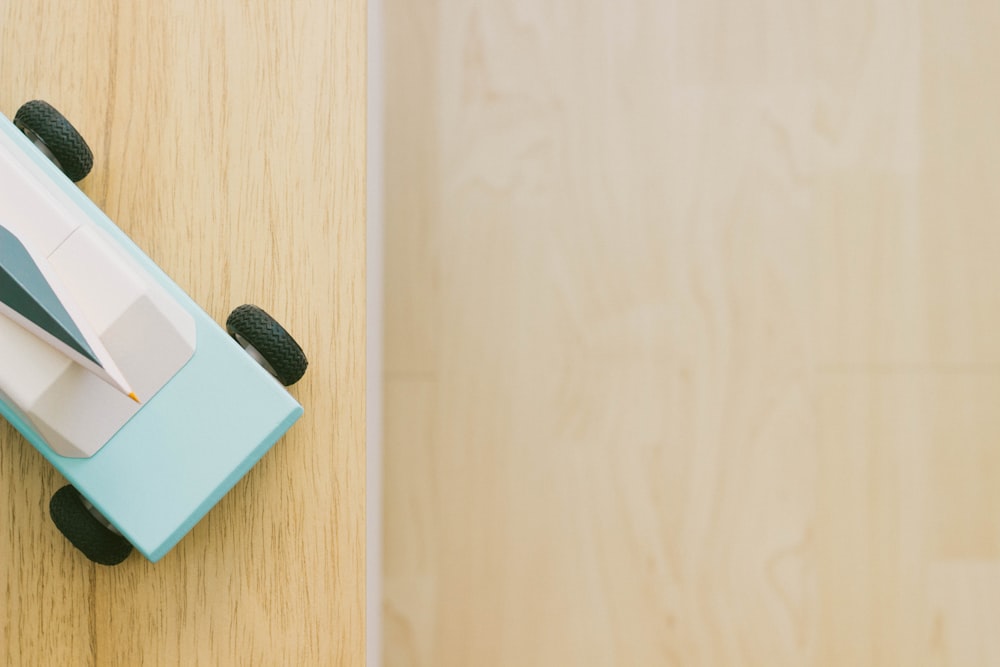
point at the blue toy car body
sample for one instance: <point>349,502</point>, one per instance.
<point>191,441</point>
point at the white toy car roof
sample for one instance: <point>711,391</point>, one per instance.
<point>84,326</point>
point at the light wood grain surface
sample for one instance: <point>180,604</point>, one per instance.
<point>229,140</point>
<point>692,333</point>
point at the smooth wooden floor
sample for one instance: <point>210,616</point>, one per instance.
<point>229,143</point>
<point>693,333</point>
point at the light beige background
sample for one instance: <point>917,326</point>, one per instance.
<point>229,140</point>
<point>692,333</point>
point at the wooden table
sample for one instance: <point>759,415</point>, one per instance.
<point>229,142</point>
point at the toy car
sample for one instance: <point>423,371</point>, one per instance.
<point>150,410</point>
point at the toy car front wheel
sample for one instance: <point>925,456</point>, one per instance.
<point>85,531</point>
<point>56,137</point>
<point>268,342</point>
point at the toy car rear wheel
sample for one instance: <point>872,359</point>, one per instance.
<point>267,341</point>
<point>57,137</point>
<point>84,530</point>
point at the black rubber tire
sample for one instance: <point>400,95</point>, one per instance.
<point>287,360</point>
<point>59,136</point>
<point>84,531</point>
